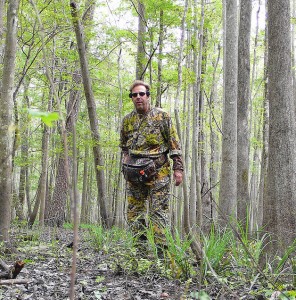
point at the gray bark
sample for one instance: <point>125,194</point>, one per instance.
<point>6,128</point>
<point>160,53</point>
<point>214,142</point>
<point>140,63</point>
<point>178,205</point>
<point>243,82</point>
<point>280,194</point>
<point>228,182</point>
<point>2,5</point>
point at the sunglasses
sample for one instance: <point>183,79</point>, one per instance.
<point>134,95</point>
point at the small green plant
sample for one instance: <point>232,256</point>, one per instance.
<point>103,239</point>
<point>202,295</point>
<point>216,247</point>
<point>178,254</point>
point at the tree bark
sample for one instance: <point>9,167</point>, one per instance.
<point>84,197</point>
<point>176,214</point>
<point>44,167</point>
<point>6,126</point>
<point>2,4</point>
<point>228,182</point>
<point>243,99</point>
<point>140,63</point>
<point>280,194</point>
<point>159,67</point>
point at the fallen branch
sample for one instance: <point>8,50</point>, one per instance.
<point>14,281</point>
<point>11,272</point>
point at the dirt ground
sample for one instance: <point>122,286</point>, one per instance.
<point>99,275</point>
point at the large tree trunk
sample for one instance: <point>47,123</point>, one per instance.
<point>243,84</point>
<point>6,126</point>
<point>228,182</point>
<point>91,105</point>
<point>56,205</point>
<point>280,194</point>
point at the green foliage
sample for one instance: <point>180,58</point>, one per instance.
<point>104,240</point>
<point>47,117</point>
<point>177,252</point>
<point>202,295</point>
<point>216,247</point>
<point>290,250</point>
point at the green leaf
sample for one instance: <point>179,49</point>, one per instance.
<point>46,117</point>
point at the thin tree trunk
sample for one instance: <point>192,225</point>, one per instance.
<point>258,218</point>
<point>243,84</point>
<point>84,198</point>
<point>195,190</point>
<point>159,67</point>
<point>140,63</point>
<point>91,105</point>
<point>177,212</point>
<point>44,166</point>
<point>2,5</point>
<point>214,142</point>
<point>195,242</point>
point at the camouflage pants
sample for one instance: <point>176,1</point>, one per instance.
<point>148,207</point>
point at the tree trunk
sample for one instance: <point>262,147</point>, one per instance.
<point>6,126</point>
<point>228,182</point>
<point>195,195</point>
<point>214,142</point>
<point>56,205</point>
<point>2,5</point>
<point>176,214</point>
<point>160,50</point>
<point>264,161</point>
<point>243,85</point>
<point>84,197</point>
<point>44,166</point>
<point>140,63</point>
<point>91,105</point>
<point>280,194</point>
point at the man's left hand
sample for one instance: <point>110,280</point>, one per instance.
<point>178,177</point>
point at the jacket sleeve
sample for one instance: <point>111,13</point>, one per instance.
<point>174,144</point>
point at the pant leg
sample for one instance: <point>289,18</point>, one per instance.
<point>137,196</point>
<point>158,211</point>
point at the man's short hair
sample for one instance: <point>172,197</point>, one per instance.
<point>139,82</point>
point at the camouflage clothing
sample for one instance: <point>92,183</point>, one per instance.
<point>151,135</point>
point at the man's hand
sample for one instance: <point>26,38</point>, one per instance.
<point>178,177</point>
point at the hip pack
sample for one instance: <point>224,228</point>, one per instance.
<point>139,169</point>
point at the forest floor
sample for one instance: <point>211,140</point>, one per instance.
<point>100,274</point>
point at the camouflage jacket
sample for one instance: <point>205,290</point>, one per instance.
<point>151,135</point>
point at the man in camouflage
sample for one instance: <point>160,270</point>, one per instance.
<point>149,132</point>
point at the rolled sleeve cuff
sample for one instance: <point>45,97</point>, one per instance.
<point>175,152</point>
<point>177,163</point>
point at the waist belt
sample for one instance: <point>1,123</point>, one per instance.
<point>161,160</point>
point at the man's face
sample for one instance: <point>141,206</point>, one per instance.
<point>141,103</point>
